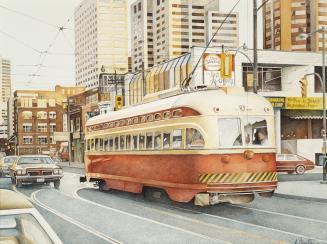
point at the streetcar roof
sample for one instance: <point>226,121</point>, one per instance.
<point>203,102</point>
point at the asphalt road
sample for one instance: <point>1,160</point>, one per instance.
<point>80,213</point>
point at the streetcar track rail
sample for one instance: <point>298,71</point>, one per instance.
<point>75,193</point>
<point>89,229</point>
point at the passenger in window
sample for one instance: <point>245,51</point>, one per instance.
<point>261,137</point>
<point>157,141</point>
<point>194,137</point>
<point>238,141</point>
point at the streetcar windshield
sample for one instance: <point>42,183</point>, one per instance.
<point>256,132</point>
<point>230,132</point>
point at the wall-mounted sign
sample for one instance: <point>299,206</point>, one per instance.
<point>309,103</point>
<point>277,102</point>
<point>60,136</point>
<point>211,62</point>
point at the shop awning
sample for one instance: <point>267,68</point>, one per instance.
<point>303,114</point>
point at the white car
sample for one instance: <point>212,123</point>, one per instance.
<point>20,222</point>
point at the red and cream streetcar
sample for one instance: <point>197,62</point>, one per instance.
<point>213,145</point>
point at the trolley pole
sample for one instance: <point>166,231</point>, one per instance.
<point>255,46</point>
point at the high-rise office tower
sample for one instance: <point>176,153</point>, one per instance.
<point>101,40</point>
<point>5,89</point>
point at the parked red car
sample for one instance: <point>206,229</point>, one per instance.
<point>291,163</point>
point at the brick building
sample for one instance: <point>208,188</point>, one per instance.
<point>39,115</point>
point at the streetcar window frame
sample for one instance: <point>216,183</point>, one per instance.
<point>122,144</point>
<point>193,138</point>
<point>100,144</point>
<point>111,144</point>
<point>135,138</point>
<point>106,144</point>
<point>128,142</point>
<point>96,144</point>
<point>88,145</point>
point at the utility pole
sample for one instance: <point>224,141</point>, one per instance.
<point>69,132</point>
<point>255,46</point>
<point>324,178</point>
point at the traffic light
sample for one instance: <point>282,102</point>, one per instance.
<point>119,103</point>
<point>304,86</point>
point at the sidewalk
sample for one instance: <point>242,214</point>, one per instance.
<point>306,190</point>
<point>72,164</point>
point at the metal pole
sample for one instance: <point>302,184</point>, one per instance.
<point>143,79</point>
<point>255,46</point>
<point>324,100</point>
<point>69,133</point>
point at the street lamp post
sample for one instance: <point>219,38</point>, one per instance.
<point>69,132</point>
<point>323,83</point>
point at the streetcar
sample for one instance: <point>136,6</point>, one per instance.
<point>210,145</point>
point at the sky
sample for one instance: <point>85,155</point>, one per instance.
<point>42,56</point>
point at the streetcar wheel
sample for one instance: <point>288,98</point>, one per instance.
<point>300,170</point>
<point>103,186</point>
<point>56,184</point>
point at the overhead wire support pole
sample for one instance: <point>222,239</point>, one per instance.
<point>255,45</point>
<point>186,81</point>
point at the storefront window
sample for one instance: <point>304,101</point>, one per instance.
<point>230,132</point>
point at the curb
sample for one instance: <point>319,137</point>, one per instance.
<point>310,199</point>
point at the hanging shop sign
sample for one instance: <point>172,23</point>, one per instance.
<point>277,102</point>
<point>211,62</point>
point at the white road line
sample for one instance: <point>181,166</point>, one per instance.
<point>75,195</point>
<point>65,217</point>
<point>252,225</point>
<point>281,214</point>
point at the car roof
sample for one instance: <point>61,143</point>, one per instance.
<point>13,200</point>
<point>34,156</point>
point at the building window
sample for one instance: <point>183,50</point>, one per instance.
<point>41,115</point>
<point>269,79</point>
<point>27,128</point>
<point>52,115</point>
<point>52,141</point>
<point>27,140</point>
<point>42,140</point>
<point>42,127</point>
<point>52,127</point>
<point>27,114</point>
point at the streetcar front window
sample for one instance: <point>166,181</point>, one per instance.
<point>230,132</point>
<point>256,132</point>
<point>194,138</point>
<point>177,138</point>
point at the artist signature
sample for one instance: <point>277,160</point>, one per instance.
<point>309,241</point>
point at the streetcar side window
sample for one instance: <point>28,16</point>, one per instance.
<point>116,143</point>
<point>177,139</point>
<point>134,142</point>
<point>166,140</point>
<point>122,142</point>
<point>106,144</point>
<point>230,132</point>
<point>96,144</point>
<point>111,144</point>
<point>128,142</point>
<point>141,142</point>
<point>194,138</point>
<point>88,145</point>
<point>100,144</point>
<point>92,144</point>
<point>256,132</point>
<point>157,140</point>
<point>149,140</point>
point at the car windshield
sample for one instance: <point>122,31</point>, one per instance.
<point>9,160</point>
<point>35,160</point>
<point>22,228</point>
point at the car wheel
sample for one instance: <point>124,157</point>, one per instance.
<point>18,183</point>
<point>56,184</point>
<point>300,170</point>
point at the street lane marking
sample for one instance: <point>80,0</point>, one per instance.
<point>76,196</point>
<point>281,214</point>
<point>70,220</point>
<point>243,233</point>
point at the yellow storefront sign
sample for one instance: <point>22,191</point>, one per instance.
<point>309,103</point>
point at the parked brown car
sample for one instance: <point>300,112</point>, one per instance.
<point>291,163</point>
<point>35,169</point>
